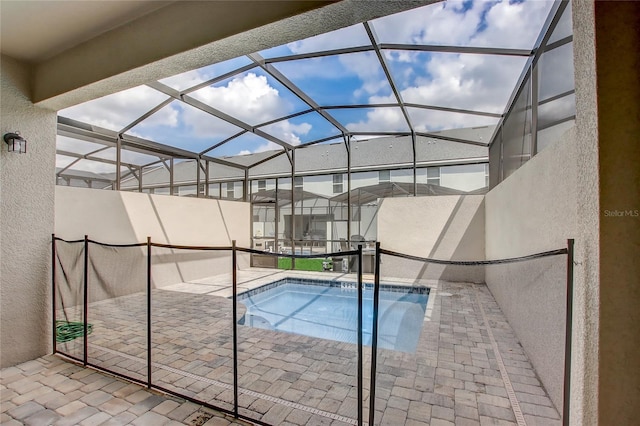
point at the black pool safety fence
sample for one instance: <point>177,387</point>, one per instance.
<point>168,317</point>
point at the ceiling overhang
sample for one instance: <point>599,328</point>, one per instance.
<point>184,35</point>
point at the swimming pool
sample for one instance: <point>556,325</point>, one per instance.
<point>329,310</point>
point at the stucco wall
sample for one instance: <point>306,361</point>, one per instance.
<point>125,217</point>
<point>586,345</point>
<point>26,220</point>
<point>447,227</point>
<point>534,210</point>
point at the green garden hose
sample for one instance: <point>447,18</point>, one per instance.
<point>66,331</point>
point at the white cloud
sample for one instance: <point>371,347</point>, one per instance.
<point>138,158</point>
<point>201,125</point>
<point>284,130</point>
<point>485,23</point>
<point>367,68</point>
<point>557,109</point>
<point>475,82</point>
<point>248,97</point>
<point>116,111</point>
<point>354,35</point>
<point>468,81</point>
<point>167,116</point>
<point>92,166</point>
<point>380,120</point>
<point>440,23</point>
<point>556,71</point>
<point>405,56</point>
<point>185,80</point>
<point>513,24</point>
<point>425,120</point>
<point>63,161</point>
<point>268,146</point>
<point>194,77</point>
<point>77,146</point>
<point>287,131</point>
<point>133,132</point>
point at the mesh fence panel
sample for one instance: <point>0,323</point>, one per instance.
<point>69,297</point>
<point>406,338</point>
<point>297,351</point>
<point>425,335</point>
<point>532,296</point>
<point>420,271</point>
<point>192,340</point>
<point>117,309</point>
<point>438,351</point>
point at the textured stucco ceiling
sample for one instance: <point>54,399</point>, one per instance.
<point>34,31</point>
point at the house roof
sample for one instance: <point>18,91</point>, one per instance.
<point>379,153</point>
<point>371,193</point>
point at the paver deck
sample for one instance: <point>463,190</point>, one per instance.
<point>51,390</point>
<point>469,368</point>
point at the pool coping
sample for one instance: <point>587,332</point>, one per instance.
<point>395,288</point>
<point>219,285</point>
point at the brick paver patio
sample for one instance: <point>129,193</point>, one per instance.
<point>469,368</point>
<point>51,390</point>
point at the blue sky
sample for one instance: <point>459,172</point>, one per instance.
<point>345,79</point>
<point>312,126</point>
<point>468,81</point>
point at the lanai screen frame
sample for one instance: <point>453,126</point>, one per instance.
<point>168,155</point>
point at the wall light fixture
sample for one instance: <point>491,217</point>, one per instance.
<point>15,142</point>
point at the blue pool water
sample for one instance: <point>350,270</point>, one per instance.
<point>329,310</point>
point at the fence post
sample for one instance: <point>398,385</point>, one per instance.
<point>234,275</point>
<point>149,312</point>
<point>567,337</point>
<point>360,384</point>
<point>374,337</point>
<point>86,299</point>
<point>53,291</point>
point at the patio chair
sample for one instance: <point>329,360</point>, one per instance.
<point>337,260</point>
<point>356,240</point>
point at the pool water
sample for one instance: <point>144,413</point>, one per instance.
<point>329,310</point>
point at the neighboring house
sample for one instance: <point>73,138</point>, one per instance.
<point>380,168</point>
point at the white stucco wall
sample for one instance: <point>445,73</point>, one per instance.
<point>586,322</point>
<point>532,211</point>
<point>125,217</point>
<point>26,220</point>
<point>447,227</point>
